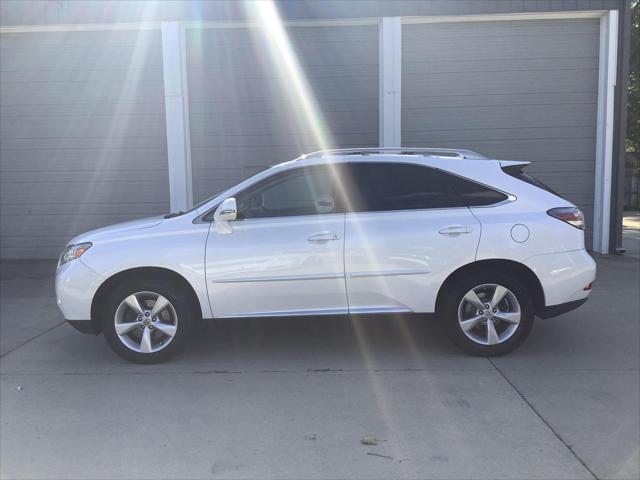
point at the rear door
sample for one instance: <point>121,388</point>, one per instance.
<point>406,231</point>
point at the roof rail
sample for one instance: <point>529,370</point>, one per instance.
<point>432,152</point>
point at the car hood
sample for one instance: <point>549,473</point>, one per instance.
<point>117,229</point>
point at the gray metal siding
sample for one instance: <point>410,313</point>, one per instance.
<point>82,135</point>
<point>524,90</point>
<point>242,116</point>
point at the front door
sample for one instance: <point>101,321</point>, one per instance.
<point>284,255</point>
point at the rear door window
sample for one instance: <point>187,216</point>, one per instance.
<point>380,187</point>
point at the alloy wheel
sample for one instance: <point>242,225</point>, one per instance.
<point>146,322</point>
<point>489,314</point>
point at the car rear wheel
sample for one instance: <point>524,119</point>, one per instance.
<point>147,321</point>
<point>488,314</point>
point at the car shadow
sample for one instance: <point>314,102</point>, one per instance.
<point>372,341</point>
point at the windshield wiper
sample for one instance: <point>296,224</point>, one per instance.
<point>174,214</point>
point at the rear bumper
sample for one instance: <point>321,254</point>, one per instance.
<point>555,310</point>
<point>563,276</point>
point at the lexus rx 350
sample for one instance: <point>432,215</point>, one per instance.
<point>478,242</point>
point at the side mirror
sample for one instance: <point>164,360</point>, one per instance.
<point>225,213</point>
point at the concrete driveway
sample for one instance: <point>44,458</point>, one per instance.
<point>293,398</point>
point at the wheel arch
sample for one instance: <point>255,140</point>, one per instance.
<point>519,270</point>
<point>138,272</point>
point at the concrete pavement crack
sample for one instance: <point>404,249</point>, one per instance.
<point>32,339</point>
<point>310,370</point>
<point>543,420</point>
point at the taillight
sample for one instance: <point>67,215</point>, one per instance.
<point>572,215</point>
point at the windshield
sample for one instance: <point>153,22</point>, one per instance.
<point>195,207</point>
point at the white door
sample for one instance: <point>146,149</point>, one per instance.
<point>409,230</point>
<point>285,255</point>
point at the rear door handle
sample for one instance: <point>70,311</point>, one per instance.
<point>454,230</point>
<point>323,237</point>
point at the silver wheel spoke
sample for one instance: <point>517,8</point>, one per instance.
<point>472,298</point>
<point>498,295</point>
<point>134,304</point>
<point>470,323</point>
<point>167,329</point>
<point>509,317</point>
<point>492,335</point>
<point>124,328</point>
<point>161,304</point>
<point>145,343</point>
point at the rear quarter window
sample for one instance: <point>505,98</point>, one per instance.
<point>475,194</point>
<point>516,172</point>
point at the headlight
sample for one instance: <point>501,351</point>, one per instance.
<point>73,251</point>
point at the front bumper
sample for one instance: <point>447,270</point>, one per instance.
<point>76,285</point>
<point>564,277</point>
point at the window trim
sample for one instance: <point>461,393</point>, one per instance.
<point>510,197</point>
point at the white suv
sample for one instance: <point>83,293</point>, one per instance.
<point>358,231</point>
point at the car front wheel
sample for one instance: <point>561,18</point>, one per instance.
<point>488,314</point>
<point>147,321</point>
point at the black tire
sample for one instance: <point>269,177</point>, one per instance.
<point>181,300</point>
<point>456,291</point>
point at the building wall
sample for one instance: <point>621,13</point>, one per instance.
<point>82,118</point>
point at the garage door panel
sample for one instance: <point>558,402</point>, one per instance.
<point>508,28</point>
<point>137,209</point>
<point>83,111</point>
<point>82,135</point>
<point>328,106</point>
<point>104,173</point>
<point>80,143</point>
<point>519,64</point>
<point>305,142</point>
<point>495,83</point>
<point>72,77</point>
<point>522,90</point>
<point>522,144</point>
<point>97,126</point>
<point>79,40</point>
<point>252,90</point>
<point>267,124</point>
<point>82,92</point>
<point>72,192</point>
<point>463,49</point>
<point>74,160</point>
<point>503,116</point>
<point>245,114</point>
<point>314,71</point>
<point>500,99</point>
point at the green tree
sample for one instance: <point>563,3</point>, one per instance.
<point>633,102</point>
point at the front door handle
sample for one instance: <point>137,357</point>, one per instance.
<point>323,237</point>
<point>454,230</point>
